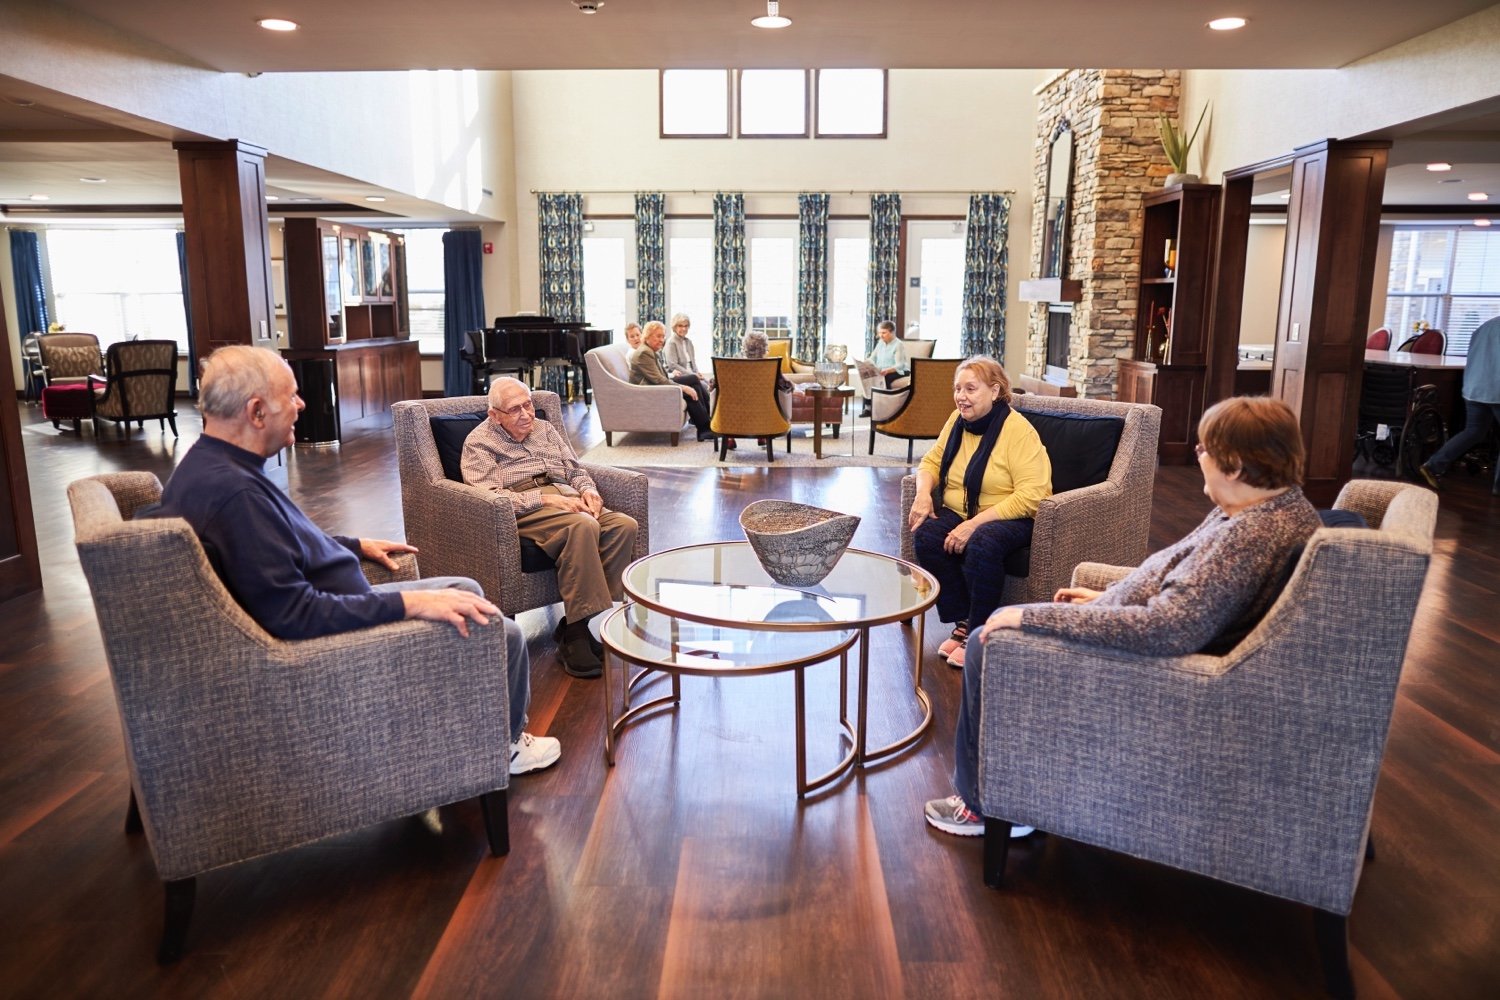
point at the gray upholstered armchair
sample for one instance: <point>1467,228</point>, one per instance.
<point>463,530</point>
<point>624,406</point>
<point>239,744</point>
<point>1108,521</point>
<point>1257,768</point>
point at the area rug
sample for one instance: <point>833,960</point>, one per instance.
<point>634,450</point>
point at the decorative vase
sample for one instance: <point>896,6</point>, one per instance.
<point>1173,179</point>
<point>797,544</point>
<point>829,374</point>
<point>836,353</point>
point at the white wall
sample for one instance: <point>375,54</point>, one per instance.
<point>1263,255</point>
<point>949,130</point>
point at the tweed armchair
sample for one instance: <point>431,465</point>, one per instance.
<point>142,384</point>
<point>463,530</point>
<point>1256,768</point>
<point>919,410</point>
<point>746,403</point>
<point>69,358</point>
<point>1108,522</point>
<point>239,744</point>
<point>624,406</point>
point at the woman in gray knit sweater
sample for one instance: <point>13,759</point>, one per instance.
<point>1203,594</point>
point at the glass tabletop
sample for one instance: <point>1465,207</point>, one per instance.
<point>652,638</point>
<point>722,583</point>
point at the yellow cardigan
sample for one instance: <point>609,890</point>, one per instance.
<point>1019,475</point>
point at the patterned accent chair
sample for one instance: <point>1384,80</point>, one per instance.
<point>1106,521</point>
<point>914,349</point>
<point>69,358</point>
<point>240,745</point>
<point>919,410</point>
<point>746,403</point>
<point>624,406</point>
<point>1257,768</point>
<point>463,530</point>
<point>142,385</point>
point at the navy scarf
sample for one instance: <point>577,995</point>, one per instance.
<point>988,427</point>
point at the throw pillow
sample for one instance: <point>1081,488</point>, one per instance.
<point>449,431</point>
<point>1081,448</point>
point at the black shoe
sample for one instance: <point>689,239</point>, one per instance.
<point>705,435</point>
<point>731,444</point>
<point>864,411</point>
<point>579,659</point>
<point>1430,476</point>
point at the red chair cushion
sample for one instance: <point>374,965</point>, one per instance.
<point>66,402</point>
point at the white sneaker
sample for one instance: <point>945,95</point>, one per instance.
<point>532,753</point>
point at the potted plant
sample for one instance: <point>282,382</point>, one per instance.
<point>1177,145</point>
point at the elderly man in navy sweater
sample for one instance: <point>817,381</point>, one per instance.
<point>296,581</point>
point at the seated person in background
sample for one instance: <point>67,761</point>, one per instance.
<point>887,361</point>
<point>679,359</point>
<point>754,347</point>
<point>558,507</point>
<point>988,472</point>
<point>632,337</point>
<point>647,368</point>
<point>1203,594</point>
<point>294,580</point>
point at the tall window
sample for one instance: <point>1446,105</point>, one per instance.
<point>1448,278</point>
<point>848,282</point>
<point>608,262</point>
<point>690,280</point>
<point>425,290</point>
<point>119,284</point>
<point>935,282</point>
<point>771,262</point>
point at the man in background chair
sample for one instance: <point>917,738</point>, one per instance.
<point>296,581</point>
<point>557,507</point>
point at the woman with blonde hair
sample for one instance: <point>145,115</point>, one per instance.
<point>978,487</point>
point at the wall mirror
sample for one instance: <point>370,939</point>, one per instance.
<point>1058,203</point>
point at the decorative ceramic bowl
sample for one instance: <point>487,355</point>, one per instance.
<point>797,545</point>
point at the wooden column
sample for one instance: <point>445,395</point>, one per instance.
<point>228,251</point>
<point>20,568</point>
<point>1333,223</point>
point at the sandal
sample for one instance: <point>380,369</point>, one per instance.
<point>955,641</point>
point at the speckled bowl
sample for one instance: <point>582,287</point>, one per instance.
<point>796,544</point>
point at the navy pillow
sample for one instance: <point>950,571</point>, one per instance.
<point>1081,448</point>
<point>1336,518</point>
<point>449,431</point>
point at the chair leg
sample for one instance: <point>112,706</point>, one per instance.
<point>172,422</point>
<point>770,449</point>
<point>133,822</point>
<point>872,437</point>
<point>180,894</point>
<point>1332,932</point>
<point>496,822</point>
<point>909,443</point>
<point>723,446</point>
<point>996,847</point>
<point>1370,847</point>
<point>676,435</point>
<point>77,427</point>
<point>609,439</point>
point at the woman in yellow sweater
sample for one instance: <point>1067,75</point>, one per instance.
<point>978,488</point>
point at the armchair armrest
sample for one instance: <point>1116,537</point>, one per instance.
<point>886,403</point>
<point>628,492</point>
<point>1097,576</point>
<point>463,530</point>
<point>406,569</point>
<point>1075,527</point>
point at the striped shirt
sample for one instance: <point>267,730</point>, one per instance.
<point>493,460</point>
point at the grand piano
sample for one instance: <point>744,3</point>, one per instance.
<point>538,349</point>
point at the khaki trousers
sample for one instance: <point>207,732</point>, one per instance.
<point>590,553</point>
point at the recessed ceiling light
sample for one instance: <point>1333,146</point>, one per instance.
<point>1439,167</point>
<point>273,197</point>
<point>277,24</point>
<point>374,197</point>
<point>303,199</point>
<point>1481,223</point>
<point>1285,196</point>
<point>772,17</point>
<point>1226,23</point>
<point>1478,196</point>
<point>92,180</point>
<point>41,197</point>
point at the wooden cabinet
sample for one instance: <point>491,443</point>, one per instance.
<point>1171,323</point>
<point>346,303</point>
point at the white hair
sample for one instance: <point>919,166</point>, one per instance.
<point>233,375</point>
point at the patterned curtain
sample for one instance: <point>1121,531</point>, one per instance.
<point>885,263</point>
<point>31,296</point>
<point>729,274</point>
<point>463,304</point>
<point>812,276</point>
<point>986,261</point>
<point>650,258</point>
<point>560,229</point>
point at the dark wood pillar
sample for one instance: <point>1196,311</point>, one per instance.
<point>20,567</point>
<point>228,251</point>
<point>1333,223</point>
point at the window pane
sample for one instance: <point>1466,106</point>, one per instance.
<point>690,270</point>
<point>851,102</point>
<point>773,102</point>
<point>772,277</point>
<point>425,295</point>
<point>695,102</point>
<point>118,284</point>
<point>849,280</point>
<point>1448,278</point>
<point>604,282</point>
<point>942,300</point>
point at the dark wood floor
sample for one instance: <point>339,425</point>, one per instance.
<point>691,869</point>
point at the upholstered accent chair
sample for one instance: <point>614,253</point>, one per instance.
<point>1256,768</point>
<point>240,745</point>
<point>69,357</point>
<point>1103,456</point>
<point>1379,340</point>
<point>919,410</point>
<point>463,530</point>
<point>1429,341</point>
<point>746,403</point>
<point>914,349</point>
<point>142,385</point>
<point>626,407</point>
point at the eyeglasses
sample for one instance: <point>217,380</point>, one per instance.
<point>1199,450</point>
<point>517,410</point>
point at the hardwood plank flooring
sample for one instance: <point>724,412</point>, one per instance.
<point>690,868</point>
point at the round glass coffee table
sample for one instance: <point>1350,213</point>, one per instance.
<point>722,584</point>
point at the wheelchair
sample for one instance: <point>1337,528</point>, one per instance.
<point>1400,425</point>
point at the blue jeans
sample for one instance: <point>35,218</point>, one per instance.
<point>966,733</point>
<point>517,659</point>
<point>973,580</point>
<point>1477,420</point>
